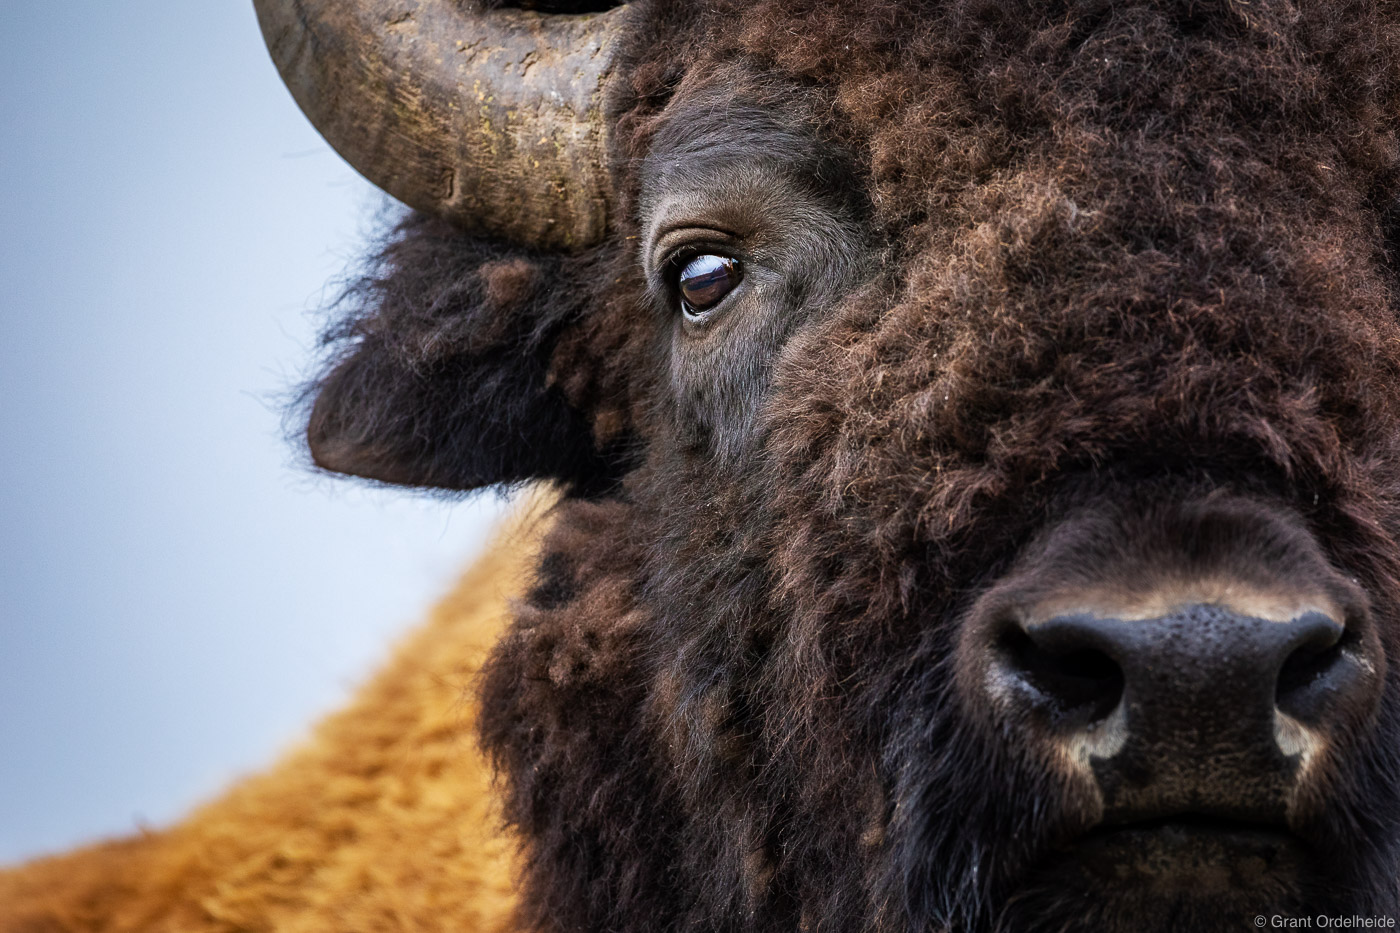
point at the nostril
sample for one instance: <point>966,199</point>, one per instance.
<point>1318,666</point>
<point>1080,684</point>
<point>1304,667</point>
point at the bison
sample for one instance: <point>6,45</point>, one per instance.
<point>976,433</point>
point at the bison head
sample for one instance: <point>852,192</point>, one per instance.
<point>978,430</point>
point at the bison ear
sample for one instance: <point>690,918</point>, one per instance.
<point>462,424</point>
<point>441,375</point>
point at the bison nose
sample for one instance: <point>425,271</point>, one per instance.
<point>1192,708</point>
<point>1191,662</point>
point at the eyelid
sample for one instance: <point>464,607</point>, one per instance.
<point>677,261</point>
<point>689,239</point>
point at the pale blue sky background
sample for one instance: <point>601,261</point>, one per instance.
<point>178,599</point>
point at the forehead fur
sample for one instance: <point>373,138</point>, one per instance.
<point>1089,258</point>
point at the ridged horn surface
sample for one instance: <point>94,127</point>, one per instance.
<point>491,120</point>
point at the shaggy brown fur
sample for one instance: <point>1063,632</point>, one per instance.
<point>1081,264</point>
<point>1114,247</point>
<point>384,820</point>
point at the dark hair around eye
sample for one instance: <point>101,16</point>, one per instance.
<point>704,280</point>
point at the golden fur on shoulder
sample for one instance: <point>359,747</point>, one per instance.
<point>383,821</point>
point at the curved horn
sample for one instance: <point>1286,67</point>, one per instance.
<point>493,121</point>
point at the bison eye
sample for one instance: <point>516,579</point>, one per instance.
<point>704,281</point>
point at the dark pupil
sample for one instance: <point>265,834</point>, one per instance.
<point>707,279</point>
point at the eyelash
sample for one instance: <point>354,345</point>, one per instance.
<point>678,260</point>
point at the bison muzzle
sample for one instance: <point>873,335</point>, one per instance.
<point>1190,666</point>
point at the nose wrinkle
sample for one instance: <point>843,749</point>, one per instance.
<point>1164,600</point>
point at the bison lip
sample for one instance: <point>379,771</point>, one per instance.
<point>1192,853</point>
